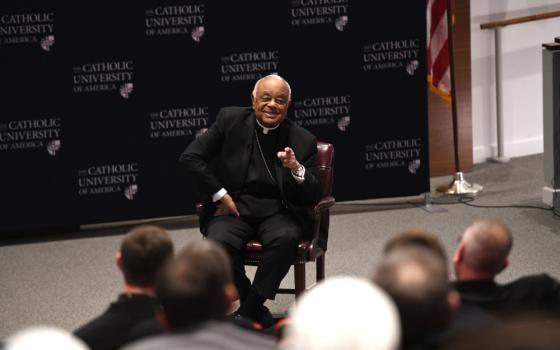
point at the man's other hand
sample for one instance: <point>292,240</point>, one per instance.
<point>288,159</point>
<point>226,206</point>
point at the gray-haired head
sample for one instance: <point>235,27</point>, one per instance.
<point>44,337</point>
<point>359,316</point>
<point>272,76</point>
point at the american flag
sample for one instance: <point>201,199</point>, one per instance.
<point>439,75</point>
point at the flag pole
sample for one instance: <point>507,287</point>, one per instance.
<point>459,186</point>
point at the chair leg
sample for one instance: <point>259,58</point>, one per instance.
<point>299,278</point>
<point>320,266</point>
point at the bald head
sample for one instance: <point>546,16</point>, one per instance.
<point>485,246</point>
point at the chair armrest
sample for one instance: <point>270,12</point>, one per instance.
<point>324,204</point>
<point>200,209</point>
<point>321,215</point>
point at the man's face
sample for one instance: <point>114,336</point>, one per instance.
<point>271,102</point>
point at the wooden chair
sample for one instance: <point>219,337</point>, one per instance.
<point>313,249</point>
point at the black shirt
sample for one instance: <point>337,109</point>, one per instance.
<point>123,322</point>
<point>260,196</point>
<point>534,294</point>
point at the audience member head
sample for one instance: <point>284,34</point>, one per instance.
<point>143,253</point>
<point>43,337</point>
<point>483,250</point>
<point>343,313</point>
<point>414,238</point>
<point>416,279</point>
<point>196,286</point>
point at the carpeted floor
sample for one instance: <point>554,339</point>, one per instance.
<point>66,279</point>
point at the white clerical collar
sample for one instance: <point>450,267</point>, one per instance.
<point>266,129</point>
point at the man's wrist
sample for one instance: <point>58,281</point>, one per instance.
<point>216,197</point>
<point>298,169</point>
<point>299,172</point>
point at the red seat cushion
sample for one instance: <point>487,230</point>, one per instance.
<point>255,247</point>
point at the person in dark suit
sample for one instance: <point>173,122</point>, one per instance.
<point>414,272</point>
<point>134,315</point>
<point>255,169</point>
<point>482,253</point>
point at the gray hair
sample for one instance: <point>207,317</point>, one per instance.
<point>275,76</point>
<point>370,318</point>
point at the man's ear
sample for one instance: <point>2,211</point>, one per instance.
<point>459,253</point>
<point>118,260</point>
<point>231,293</point>
<point>504,265</point>
<point>454,301</point>
<point>162,319</point>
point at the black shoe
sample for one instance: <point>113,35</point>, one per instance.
<point>251,306</point>
<point>265,317</point>
<point>244,322</point>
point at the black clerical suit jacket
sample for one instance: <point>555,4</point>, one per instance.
<point>219,158</point>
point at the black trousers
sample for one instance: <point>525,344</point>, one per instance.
<point>279,235</point>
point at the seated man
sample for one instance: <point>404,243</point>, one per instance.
<point>255,169</point>
<point>196,291</point>
<point>142,254</point>
<point>482,254</point>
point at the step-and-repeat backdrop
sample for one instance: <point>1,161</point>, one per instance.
<point>99,98</point>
